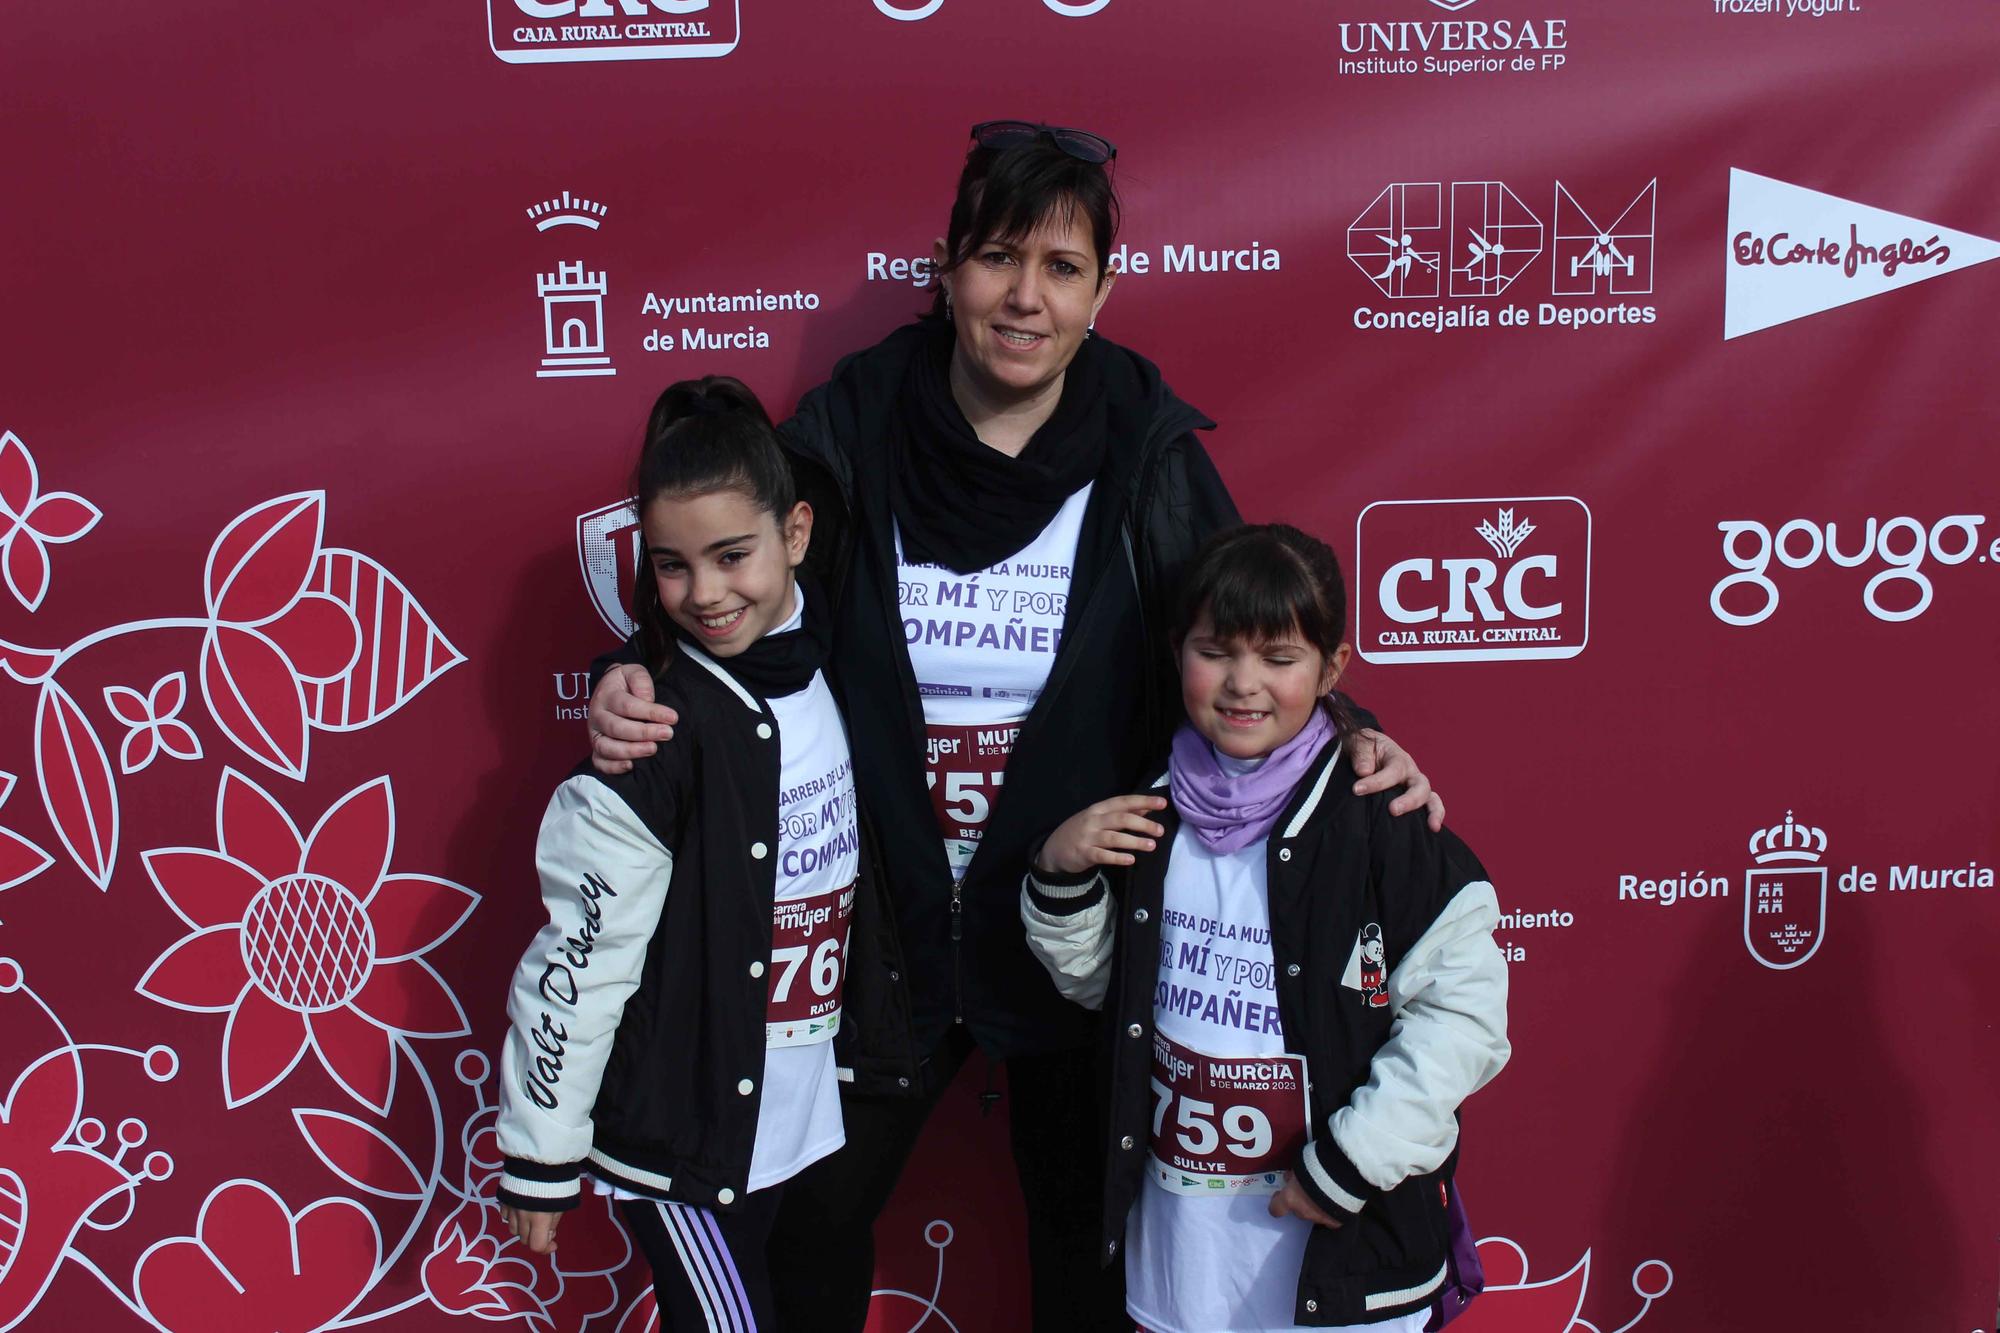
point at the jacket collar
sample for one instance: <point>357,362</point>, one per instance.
<point>721,673</point>
<point>1330,759</point>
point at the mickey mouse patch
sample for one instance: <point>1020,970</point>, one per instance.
<point>1365,968</point>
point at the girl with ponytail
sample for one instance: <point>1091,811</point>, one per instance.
<point>713,929</point>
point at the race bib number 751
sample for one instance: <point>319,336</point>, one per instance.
<point>965,767</point>
<point>1225,1125</point>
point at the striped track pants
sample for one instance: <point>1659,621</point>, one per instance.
<point>710,1274</point>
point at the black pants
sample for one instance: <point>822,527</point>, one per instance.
<point>710,1274</point>
<point>824,1232</point>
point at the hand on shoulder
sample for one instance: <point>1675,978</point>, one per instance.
<point>625,723</point>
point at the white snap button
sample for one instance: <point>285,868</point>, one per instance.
<point>756,969</point>
<point>1140,916</point>
<point>1285,854</point>
<point>1291,969</point>
<point>1135,1031</point>
<point>746,1087</point>
<point>763,731</point>
<point>758,851</point>
<point>1125,1142</point>
<point>1312,1307</point>
<point>725,1196</point>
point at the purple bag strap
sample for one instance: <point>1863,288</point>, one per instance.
<point>1465,1276</point>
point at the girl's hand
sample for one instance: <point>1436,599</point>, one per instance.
<point>1105,834</point>
<point>625,723</point>
<point>536,1230</point>
<point>1291,1200</point>
<point>1380,763</point>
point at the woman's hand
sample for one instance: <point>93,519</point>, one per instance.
<point>1105,834</point>
<point>1380,763</point>
<point>537,1231</point>
<point>1291,1200</point>
<point>625,723</point>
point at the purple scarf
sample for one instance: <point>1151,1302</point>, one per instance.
<point>1229,811</point>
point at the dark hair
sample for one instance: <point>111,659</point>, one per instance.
<point>703,436</point>
<point>1267,581</point>
<point>1005,193</point>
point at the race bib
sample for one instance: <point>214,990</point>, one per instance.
<point>965,766</point>
<point>808,967</point>
<point>1225,1125</point>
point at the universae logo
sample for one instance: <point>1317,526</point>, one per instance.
<point>1477,580</point>
<point>607,552</point>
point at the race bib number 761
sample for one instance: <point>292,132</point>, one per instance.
<point>808,967</point>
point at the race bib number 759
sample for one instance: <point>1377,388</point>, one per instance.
<point>1225,1125</point>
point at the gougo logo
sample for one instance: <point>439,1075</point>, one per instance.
<point>1903,545</point>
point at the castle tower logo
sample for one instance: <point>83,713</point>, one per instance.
<point>1784,894</point>
<point>572,322</point>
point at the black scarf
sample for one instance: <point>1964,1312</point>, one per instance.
<point>781,663</point>
<point>965,505</point>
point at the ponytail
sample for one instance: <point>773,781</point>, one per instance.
<point>703,436</point>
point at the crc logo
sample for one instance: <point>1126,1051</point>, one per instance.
<point>607,550</point>
<point>1472,580</point>
<point>536,32</point>
<point>1784,894</point>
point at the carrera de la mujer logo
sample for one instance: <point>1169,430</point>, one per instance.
<point>1472,580</point>
<point>537,32</point>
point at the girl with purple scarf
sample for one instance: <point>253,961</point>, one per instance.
<point>1302,987</point>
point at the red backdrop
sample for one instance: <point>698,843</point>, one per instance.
<point>1579,329</point>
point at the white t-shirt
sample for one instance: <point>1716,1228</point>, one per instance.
<point>1203,1254</point>
<point>981,645</point>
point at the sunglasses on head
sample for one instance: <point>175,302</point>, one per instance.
<point>1079,144</point>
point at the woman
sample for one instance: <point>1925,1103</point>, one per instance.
<point>1006,503</point>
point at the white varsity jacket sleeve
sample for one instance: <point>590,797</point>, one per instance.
<point>604,877</point>
<point>1071,932</point>
<point>1447,1040</point>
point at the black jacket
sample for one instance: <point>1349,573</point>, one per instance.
<point>638,1013</point>
<point>1335,863</point>
<point>1101,724</point>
